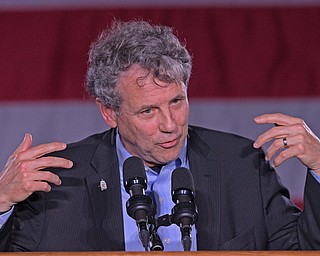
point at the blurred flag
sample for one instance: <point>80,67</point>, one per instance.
<point>250,57</point>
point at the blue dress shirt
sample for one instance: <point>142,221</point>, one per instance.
<point>159,189</point>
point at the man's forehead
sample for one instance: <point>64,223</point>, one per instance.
<point>134,71</point>
<point>140,76</point>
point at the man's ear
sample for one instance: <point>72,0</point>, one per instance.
<point>108,114</point>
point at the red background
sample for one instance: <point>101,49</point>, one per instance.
<point>238,52</point>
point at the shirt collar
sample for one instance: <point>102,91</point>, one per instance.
<point>123,154</point>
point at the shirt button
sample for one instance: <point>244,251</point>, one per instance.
<point>167,240</point>
<point>161,200</point>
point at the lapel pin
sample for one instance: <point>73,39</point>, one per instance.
<point>103,185</point>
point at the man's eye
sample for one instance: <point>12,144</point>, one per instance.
<point>147,111</point>
<point>176,101</point>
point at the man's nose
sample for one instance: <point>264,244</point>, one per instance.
<point>167,122</point>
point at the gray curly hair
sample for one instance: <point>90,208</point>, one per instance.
<point>155,48</point>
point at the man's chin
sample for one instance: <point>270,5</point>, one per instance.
<point>167,158</point>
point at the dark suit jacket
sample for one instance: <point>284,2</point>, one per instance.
<point>241,204</point>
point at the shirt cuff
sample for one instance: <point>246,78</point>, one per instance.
<point>5,216</point>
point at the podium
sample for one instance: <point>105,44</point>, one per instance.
<point>200,253</point>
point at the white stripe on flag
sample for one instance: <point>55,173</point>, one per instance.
<point>70,121</point>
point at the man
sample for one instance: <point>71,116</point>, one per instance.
<point>58,198</point>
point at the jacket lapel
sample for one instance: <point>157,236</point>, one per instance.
<point>206,174</point>
<point>106,201</point>
<point>106,204</point>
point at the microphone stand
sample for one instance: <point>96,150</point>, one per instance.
<point>155,240</point>
<point>165,221</point>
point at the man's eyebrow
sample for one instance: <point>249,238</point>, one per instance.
<point>146,106</point>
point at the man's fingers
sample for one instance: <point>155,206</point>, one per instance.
<point>277,118</point>
<point>50,161</point>
<point>280,132</point>
<point>273,133</point>
<point>32,186</point>
<point>274,148</point>
<point>40,150</point>
<point>44,176</point>
<point>294,146</point>
<point>31,181</point>
<point>44,163</point>
<point>284,155</point>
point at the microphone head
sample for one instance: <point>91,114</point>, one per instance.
<point>181,178</point>
<point>182,186</point>
<point>134,173</point>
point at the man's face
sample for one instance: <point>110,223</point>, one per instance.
<point>153,120</point>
